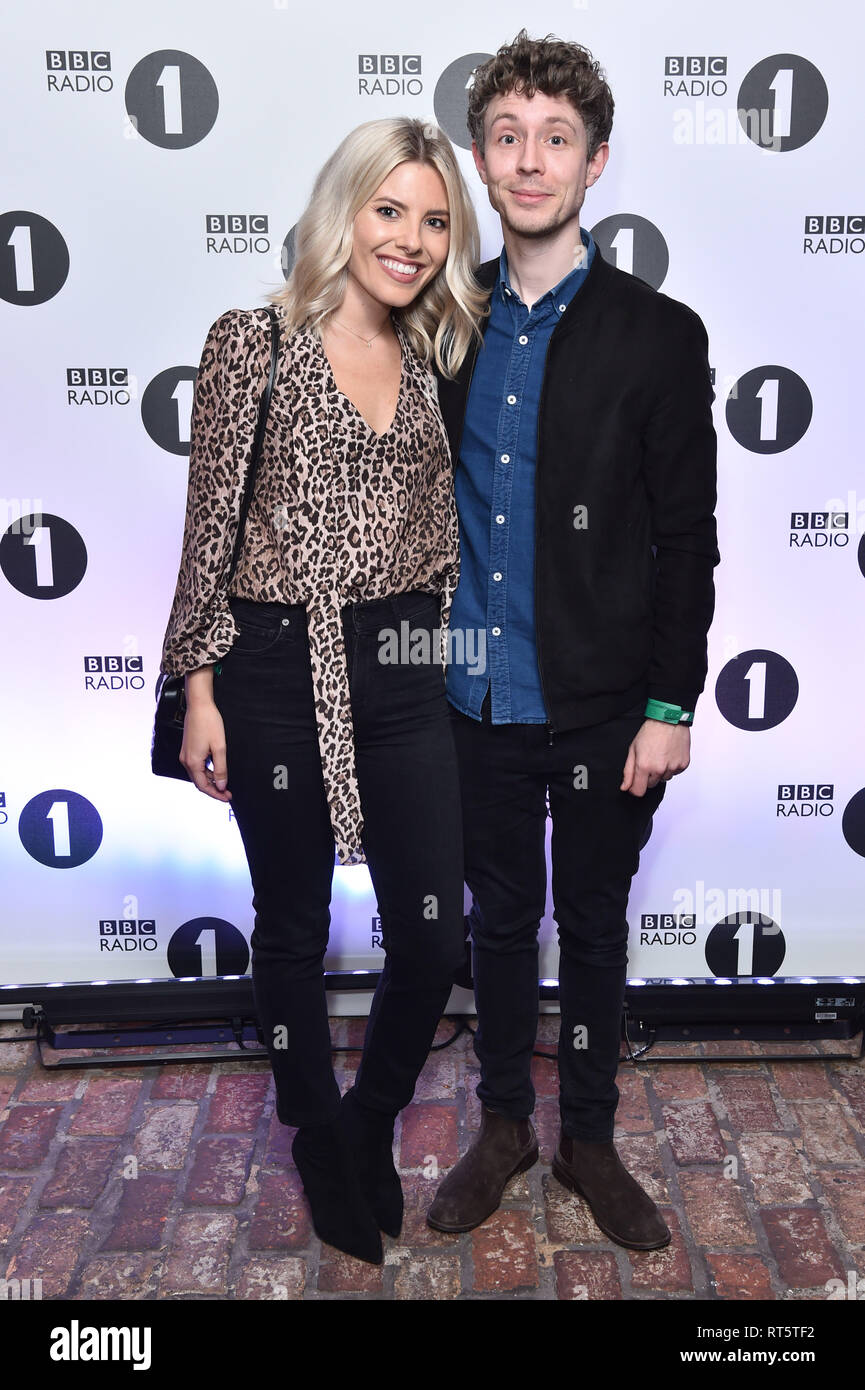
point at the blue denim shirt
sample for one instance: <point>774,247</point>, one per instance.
<point>495,494</point>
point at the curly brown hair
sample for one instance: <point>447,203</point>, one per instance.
<point>551,66</point>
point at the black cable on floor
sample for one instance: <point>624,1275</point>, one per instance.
<point>461,1027</point>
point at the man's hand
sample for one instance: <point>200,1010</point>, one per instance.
<point>658,751</point>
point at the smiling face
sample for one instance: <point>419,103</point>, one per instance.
<point>401,236</point>
<point>534,163</point>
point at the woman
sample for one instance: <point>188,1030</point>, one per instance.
<point>314,736</point>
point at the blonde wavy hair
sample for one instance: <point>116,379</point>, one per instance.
<point>442,320</point>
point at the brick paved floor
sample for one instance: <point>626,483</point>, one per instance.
<point>176,1182</point>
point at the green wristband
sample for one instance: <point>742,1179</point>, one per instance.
<point>668,714</point>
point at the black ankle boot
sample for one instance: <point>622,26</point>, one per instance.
<point>370,1136</point>
<point>341,1214</point>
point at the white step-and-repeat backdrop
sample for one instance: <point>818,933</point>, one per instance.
<point>158,160</point>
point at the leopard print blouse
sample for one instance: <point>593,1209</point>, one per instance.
<point>338,515</point>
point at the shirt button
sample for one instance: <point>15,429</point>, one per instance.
<point>507,291</point>
<point>522,338</point>
<point>562,308</point>
<point>497,576</point>
<point>286,622</point>
<point>512,400</point>
<point>500,518</point>
<point>506,458</point>
<point>497,632</point>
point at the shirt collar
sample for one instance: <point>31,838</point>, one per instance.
<point>561,293</point>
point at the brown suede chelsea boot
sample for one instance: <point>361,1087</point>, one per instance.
<point>621,1208</point>
<point>473,1189</point>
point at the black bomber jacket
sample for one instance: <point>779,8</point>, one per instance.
<point>625,493</point>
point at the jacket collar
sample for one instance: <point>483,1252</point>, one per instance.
<point>599,276</point>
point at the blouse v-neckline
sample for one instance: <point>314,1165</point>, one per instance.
<point>359,413</point>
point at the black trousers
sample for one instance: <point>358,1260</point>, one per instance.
<point>409,789</point>
<point>506,771</point>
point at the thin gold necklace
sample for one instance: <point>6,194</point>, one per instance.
<point>369,341</point>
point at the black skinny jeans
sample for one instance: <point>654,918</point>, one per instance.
<point>412,838</point>
<point>505,773</point>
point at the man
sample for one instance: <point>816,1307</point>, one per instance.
<point>582,439</point>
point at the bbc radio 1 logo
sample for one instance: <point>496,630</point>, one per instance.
<point>170,96</point>
<point>113,673</point>
<point>757,690</point>
<point>171,100</point>
<point>207,947</point>
<point>166,408</point>
<point>695,77</point>
<point>805,800</point>
<point>819,530</point>
<point>237,233</point>
<point>60,828</point>
<point>781,103</point>
<point>97,386</point>
<point>668,929</point>
<point>451,97</point>
<point>635,245</point>
<point>769,409</point>
<point>389,74</point>
<point>35,263</point>
<point>834,234</point>
<point>42,555</point>
<point>127,934</point>
<point>746,941</point>
<point>79,70</point>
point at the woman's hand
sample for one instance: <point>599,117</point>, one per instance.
<point>203,739</point>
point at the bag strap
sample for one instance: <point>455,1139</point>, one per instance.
<point>249,483</point>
